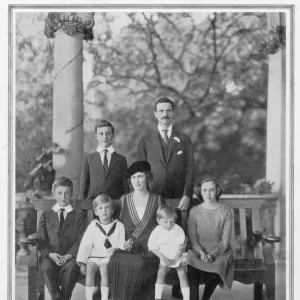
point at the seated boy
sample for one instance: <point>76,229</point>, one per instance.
<point>59,233</point>
<point>102,237</point>
<point>104,170</point>
<point>166,242</point>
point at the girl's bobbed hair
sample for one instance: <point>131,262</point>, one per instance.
<point>208,178</point>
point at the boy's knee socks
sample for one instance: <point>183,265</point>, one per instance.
<point>158,290</point>
<point>104,293</point>
<point>89,292</point>
<point>186,293</point>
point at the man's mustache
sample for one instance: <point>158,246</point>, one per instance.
<point>167,118</point>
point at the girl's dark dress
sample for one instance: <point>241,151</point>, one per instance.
<point>133,273</point>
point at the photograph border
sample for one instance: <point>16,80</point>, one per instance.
<point>290,130</point>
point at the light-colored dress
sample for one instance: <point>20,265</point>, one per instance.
<point>167,242</point>
<point>210,230</point>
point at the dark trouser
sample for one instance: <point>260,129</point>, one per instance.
<point>55,276</point>
<point>197,277</point>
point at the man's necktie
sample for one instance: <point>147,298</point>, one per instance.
<point>61,218</point>
<point>165,136</point>
<point>107,243</point>
<point>105,161</point>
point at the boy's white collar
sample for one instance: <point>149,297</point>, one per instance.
<point>110,149</point>
<point>68,208</point>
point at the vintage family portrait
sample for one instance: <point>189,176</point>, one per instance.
<point>151,152</point>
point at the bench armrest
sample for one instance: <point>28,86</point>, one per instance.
<point>33,260</point>
<point>268,239</point>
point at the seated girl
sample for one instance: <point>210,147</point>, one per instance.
<point>209,229</point>
<point>102,237</point>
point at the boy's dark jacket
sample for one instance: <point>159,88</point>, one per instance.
<point>94,181</point>
<point>51,240</point>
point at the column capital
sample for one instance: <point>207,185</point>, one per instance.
<point>71,23</point>
<point>277,32</point>
<point>275,41</point>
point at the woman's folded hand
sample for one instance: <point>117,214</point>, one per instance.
<point>128,244</point>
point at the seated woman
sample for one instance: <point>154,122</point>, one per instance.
<point>132,271</point>
<point>210,261</point>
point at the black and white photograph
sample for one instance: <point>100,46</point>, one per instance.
<point>150,152</point>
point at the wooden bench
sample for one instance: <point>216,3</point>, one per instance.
<point>253,251</point>
<point>254,262</point>
<point>36,289</point>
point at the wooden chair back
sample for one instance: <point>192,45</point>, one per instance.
<point>246,214</point>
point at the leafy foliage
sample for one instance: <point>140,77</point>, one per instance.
<point>212,66</point>
<point>34,64</point>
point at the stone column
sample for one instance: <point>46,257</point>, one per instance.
<point>69,30</point>
<point>276,121</point>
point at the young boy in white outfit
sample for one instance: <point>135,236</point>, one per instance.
<point>102,237</point>
<point>166,242</point>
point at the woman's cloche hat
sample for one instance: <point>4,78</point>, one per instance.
<point>138,166</point>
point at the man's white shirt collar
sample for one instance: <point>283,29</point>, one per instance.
<point>67,208</point>
<point>110,149</point>
<point>160,129</point>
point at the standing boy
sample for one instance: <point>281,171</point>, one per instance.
<point>104,170</point>
<point>59,234</point>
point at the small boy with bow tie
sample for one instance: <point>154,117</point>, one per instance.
<point>59,234</point>
<point>102,237</point>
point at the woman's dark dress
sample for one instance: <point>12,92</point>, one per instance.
<point>133,273</point>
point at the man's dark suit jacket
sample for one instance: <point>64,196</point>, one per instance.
<point>94,181</point>
<point>51,240</point>
<point>173,178</point>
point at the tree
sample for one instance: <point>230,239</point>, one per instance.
<point>34,64</point>
<point>214,67</point>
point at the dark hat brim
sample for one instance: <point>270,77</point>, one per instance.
<point>138,166</point>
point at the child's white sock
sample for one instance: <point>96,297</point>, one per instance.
<point>158,290</point>
<point>89,292</point>
<point>186,293</point>
<point>104,293</point>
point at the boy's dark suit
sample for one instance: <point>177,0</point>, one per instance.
<point>173,175</point>
<point>94,181</point>
<point>52,240</point>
